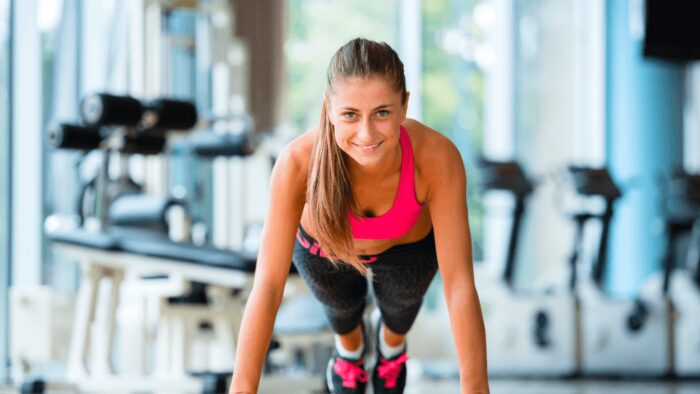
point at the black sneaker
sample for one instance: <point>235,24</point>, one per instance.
<point>389,375</point>
<point>346,376</point>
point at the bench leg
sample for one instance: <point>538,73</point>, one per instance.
<point>84,317</point>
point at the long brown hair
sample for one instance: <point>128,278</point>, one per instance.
<point>329,192</point>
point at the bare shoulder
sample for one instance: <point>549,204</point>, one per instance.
<point>434,153</point>
<point>292,165</point>
<point>296,155</point>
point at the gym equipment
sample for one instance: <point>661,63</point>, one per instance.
<point>69,136</point>
<point>199,290</point>
<point>679,280</point>
<point>530,333</point>
<point>182,311</point>
<point>160,114</point>
<point>113,258</point>
<point>209,145</point>
<point>617,336</point>
<point>302,337</point>
<point>204,290</point>
<point>118,126</point>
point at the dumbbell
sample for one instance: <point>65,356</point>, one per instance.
<point>160,114</point>
<point>147,143</point>
<point>86,138</point>
<point>70,136</point>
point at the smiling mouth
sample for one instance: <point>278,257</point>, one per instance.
<point>368,148</point>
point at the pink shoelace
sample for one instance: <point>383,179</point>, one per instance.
<point>390,370</point>
<point>350,372</point>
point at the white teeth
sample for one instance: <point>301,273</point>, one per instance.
<point>367,147</point>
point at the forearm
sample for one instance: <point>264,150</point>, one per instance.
<point>254,340</point>
<point>470,339</point>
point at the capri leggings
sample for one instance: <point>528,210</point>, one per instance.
<point>401,276</point>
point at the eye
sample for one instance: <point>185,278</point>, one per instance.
<point>349,115</point>
<point>382,114</point>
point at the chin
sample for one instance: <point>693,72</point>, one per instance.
<point>367,159</point>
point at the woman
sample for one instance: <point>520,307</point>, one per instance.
<point>367,191</point>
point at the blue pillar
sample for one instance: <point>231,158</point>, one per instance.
<point>644,123</point>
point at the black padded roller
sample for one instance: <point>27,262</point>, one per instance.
<point>144,144</point>
<point>170,114</point>
<point>68,136</point>
<point>106,109</point>
<point>208,144</point>
<point>141,211</point>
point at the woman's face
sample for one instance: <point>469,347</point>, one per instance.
<point>366,114</point>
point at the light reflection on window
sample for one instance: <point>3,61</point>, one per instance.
<point>455,55</point>
<point>48,14</point>
<point>316,29</point>
<point>4,165</point>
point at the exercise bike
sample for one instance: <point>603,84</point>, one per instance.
<point>679,280</point>
<point>529,332</point>
<point>621,337</point>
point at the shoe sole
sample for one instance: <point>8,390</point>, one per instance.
<point>329,378</point>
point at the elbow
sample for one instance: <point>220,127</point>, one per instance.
<point>462,294</point>
<point>270,291</point>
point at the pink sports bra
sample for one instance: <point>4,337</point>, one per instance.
<point>405,211</point>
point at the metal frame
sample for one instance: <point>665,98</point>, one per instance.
<point>691,146</point>
<point>410,31</point>
<point>589,129</point>
<point>5,258</point>
<point>25,196</point>
<point>26,234</point>
<point>499,136</point>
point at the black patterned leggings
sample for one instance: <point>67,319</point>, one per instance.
<point>401,276</point>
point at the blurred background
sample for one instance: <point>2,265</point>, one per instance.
<point>137,138</point>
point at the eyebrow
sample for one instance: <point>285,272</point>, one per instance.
<point>383,106</point>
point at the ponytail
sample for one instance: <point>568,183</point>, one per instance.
<point>330,196</point>
<point>329,191</point>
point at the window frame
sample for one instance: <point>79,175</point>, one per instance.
<point>5,242</point>
<point>26,131</point>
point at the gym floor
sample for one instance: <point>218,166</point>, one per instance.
<point>506,386</point>
<point>533,386</point>
<point>546,387</point>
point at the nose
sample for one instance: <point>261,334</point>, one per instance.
<point>365,133</point>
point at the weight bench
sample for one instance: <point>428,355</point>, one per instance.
<point>228,277</point>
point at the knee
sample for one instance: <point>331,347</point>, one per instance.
<point>400,309</point>
<point>343,318</point>
<point>340,303</point>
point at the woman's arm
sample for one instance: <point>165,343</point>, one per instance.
<point>448,212</point>
<point>287,195</point>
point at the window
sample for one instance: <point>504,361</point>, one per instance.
<point>452,81</point>
<point>4,172</point>
<point>691,154</point>
<point>558,114</point>
<point>317,28</point>
<point>58,183</point>
<point>100,47</point>
<point>180,32</point>
<point>453,57</point>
